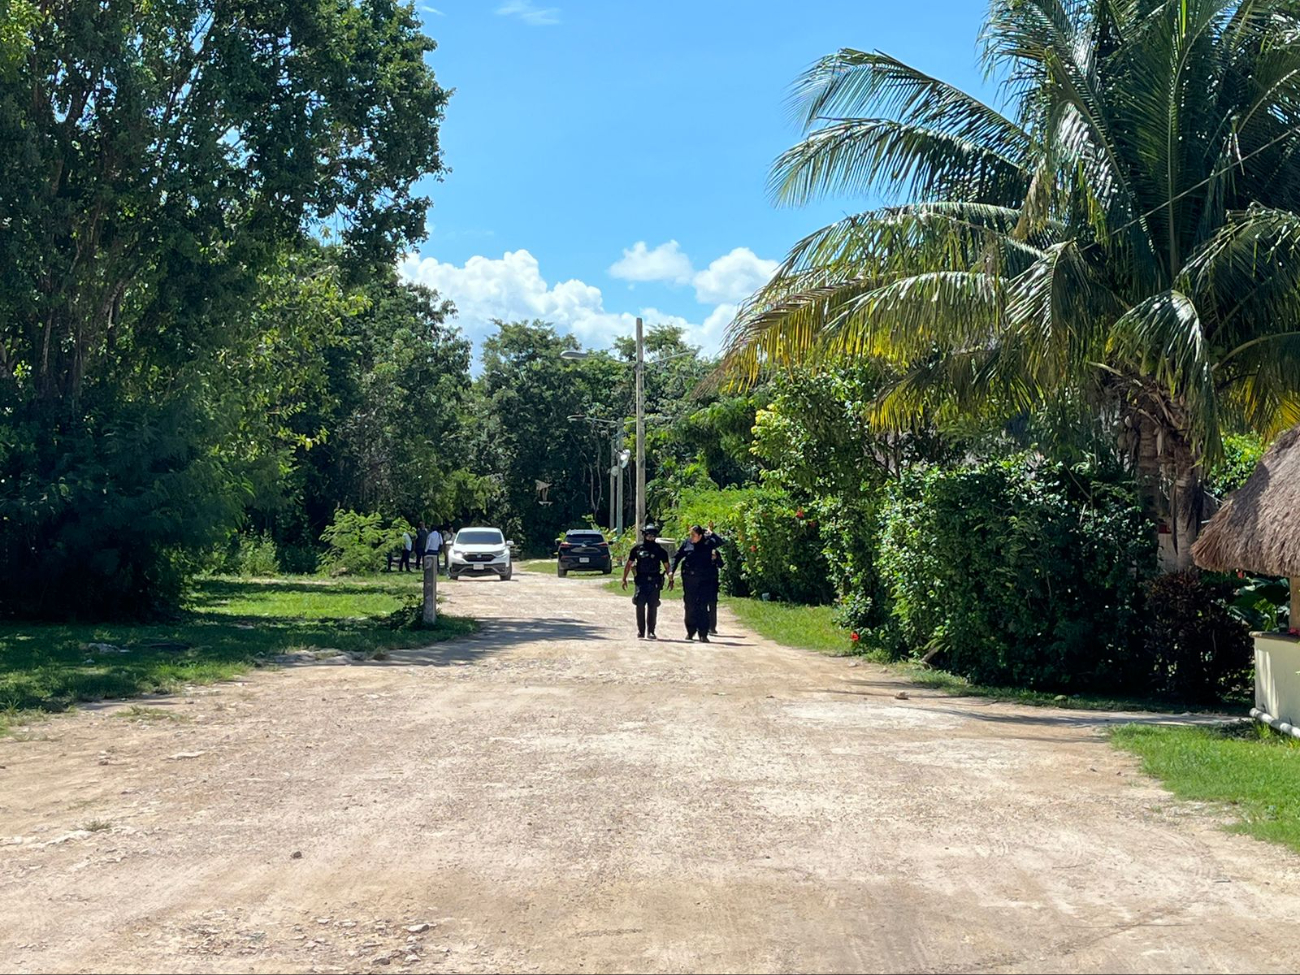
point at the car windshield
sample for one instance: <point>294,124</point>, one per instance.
<point>479,536</point>
<point>585,538</point>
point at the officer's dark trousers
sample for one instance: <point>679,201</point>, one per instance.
<point>695,594</point>
<point>647,607</point>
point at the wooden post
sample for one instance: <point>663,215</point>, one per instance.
<point>430,590</point>
<point>1294,621</point>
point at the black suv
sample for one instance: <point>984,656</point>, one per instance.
<point>583,548</point>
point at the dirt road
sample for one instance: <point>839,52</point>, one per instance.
<point>553,795</point>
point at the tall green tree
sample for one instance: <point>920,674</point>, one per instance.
<point>363,397</point>
<point>155,159</point>
<point>524,437</point>
<point>1124,229</point>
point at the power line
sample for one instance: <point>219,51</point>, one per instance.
<point>1195,186</point>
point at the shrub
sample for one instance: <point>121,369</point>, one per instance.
<point>722,508</point>
<point>781,549</point>
<point>1260,602</point>
<point>1241,454</point>
<point>1017,573</point>
<point>106,510</point>
<point>850,532</point>
<point>299,559</point>
<point>255,555</point>
<point>1196,649</point>
<point>359,543</point>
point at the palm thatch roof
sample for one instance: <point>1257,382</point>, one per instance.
<point>1258,528</point>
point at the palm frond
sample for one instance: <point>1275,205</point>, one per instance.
<point>1060,315</point>
<point>893,319</point>
<point>1250,273</point>
<point>856,84</point>
<point>854,156</point>
<point>1163,337</point>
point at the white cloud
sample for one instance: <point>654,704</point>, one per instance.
<point>528,13</point>
<point>730,279</point>
<point>733,277</point>
<point>433,10</point>
<point>714,330</point>
<point>664,263</point>
<point>512,288</point>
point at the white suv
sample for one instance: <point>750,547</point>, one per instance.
<point>478,551</point>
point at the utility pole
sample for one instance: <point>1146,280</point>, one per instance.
<point>623,505</point>
<point>613,471</point>
<point>640,432</point>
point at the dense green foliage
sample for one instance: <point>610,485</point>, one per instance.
<point>358,543</point>
<point>817,444</point>
<point>1198,650</point>
<point>158,161</point>
<point>781,550</point>
<point>1017,573</point>
<point>1120,232</point>
<point>1241,452</point>
<point>548,471</point>
<point>365,404</point>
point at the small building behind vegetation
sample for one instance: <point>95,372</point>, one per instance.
<point>1258,530</point>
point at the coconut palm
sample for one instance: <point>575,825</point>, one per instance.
<point>1125,226</point>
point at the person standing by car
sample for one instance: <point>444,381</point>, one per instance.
<point>407,545</point>
<point>695,557</point>
<point>649,560</point>
<point>433,546</point>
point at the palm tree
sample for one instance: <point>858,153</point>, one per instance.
<point>1126,227</point>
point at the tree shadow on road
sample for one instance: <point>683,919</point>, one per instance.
<point>511,631</point>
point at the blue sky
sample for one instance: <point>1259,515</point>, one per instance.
<point>609,158</point>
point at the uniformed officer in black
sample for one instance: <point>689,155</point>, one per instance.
<point>649,560</point>
<point>715,584</point>
<point>699,579</point>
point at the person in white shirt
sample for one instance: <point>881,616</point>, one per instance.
<point>407,545</point>
<point>433,545</point>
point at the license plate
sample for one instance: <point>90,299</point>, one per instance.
<point>480,568</point>
<point>584,559</point>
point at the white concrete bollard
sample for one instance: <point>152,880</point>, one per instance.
<point>430,590</point>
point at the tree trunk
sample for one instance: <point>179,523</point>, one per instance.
<point>1185,507</point>
<point>1170,479</point>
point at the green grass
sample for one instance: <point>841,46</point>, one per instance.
<point>1253,769</point>
<point>814,628</point>
<point>228,626</point>
<point>547,567</point>
<point>803,627</point>
<point>544,566</point>
<point>809,627</point>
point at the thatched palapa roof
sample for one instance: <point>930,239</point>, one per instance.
<point>1258,528</point>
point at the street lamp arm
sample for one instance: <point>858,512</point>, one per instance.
<point>669,358</point>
